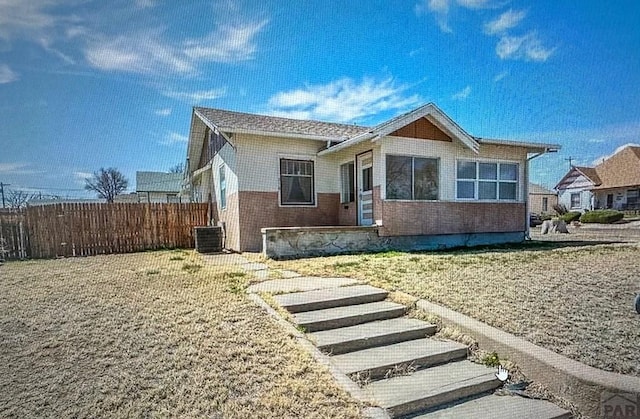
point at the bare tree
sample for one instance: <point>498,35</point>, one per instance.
<point>107,183</point>
<point>178,168</point>
<point>17,199</point>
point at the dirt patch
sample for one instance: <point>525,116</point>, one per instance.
<point>575,298</point>
<point>150,334</point>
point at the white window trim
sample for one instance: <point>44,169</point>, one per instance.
<point>307,157</point>
<point>437,159</point>
<point>579,206</point>
<point>477,180</point>
<point>222,166</point>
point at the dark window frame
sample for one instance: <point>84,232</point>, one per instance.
<point>284,164</point>
<point>412,180</point>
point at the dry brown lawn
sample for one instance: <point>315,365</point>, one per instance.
<point>572,298</point>
<point>148,335</point>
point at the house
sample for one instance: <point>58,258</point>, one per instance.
<point>541,200</point>
<point>416,181</point>
<point>159,187</point>
<point>614,183</point>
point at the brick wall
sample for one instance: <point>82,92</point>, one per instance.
<point>261,209</point>
<point>428,218</point>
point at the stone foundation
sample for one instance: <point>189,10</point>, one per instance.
<point>299,242</point>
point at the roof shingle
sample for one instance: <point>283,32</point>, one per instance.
<point>231,121</point>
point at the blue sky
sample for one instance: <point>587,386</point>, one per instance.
<point>88,84</point>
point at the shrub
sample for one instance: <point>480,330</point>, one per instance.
<point>602,216</point>
<point>560,209</point>
<point>570,216</point>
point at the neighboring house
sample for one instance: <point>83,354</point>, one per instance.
<point>614,183</point>
<point>415,177</point>
<point>541,200</point>
<point>159,187</point>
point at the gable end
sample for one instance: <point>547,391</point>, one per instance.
<point>422,129</point>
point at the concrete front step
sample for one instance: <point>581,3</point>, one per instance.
<point>432,387</point>
<point>499,407</point>
<point>369,335</point>
<point>333,318</point>
<point>417,353</point>
<point>328,298</point>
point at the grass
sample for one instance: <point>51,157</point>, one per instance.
<point>148,335</point>
<point>571,298</point>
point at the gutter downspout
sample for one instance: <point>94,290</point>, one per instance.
<point>527,234</point>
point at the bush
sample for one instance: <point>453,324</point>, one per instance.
<point>601,216</point>
<point>570,216</point>
<point>560,209</point>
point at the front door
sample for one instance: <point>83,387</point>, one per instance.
<point>365,188</point>
<point>610,200</point>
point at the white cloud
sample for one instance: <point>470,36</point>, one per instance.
<point>163,112</point>
<point>197,96</point>
<point>19,17</point>
<point>462,94</point>
<point>476,4</point>
<point>148,52</point>
<point>143,52</point>
<point>7,75</point>
<point>227,44</point>
<point>442,8</point>
<point>17,169</point>
<point>343,100</point>
<point>175,138</point>
<point>500,76</point>
<point>81,176</point>
<point>600,159</point>
<point>438,7</point>
<point>508,20</point>
<point>527,47</point>
<point>145,4</point>
<point>11,167</point>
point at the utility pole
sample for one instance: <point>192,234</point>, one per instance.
<point>2,185</point>
<point>570,160</point>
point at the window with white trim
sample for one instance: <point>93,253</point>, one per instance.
<point>296,182</point>
<point>222,187</point>
<point>411,178</point>
<point>347,190</point>
<point>486,181</point>
<point>575,200</point>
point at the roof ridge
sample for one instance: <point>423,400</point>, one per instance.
<point>283,118</point>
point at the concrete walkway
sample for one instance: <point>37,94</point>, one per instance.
<point>393,359</point>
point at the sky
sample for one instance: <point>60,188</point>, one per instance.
<point>86,84</point>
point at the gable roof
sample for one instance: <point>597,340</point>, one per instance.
<point>239,122</point>
<point>158,182</point>
<point>337,136</point>
<point>535,189</point>
<point>589,173</point>
<point>620,170</point>
<point>429,111</point>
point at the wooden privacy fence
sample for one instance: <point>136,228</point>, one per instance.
<point>91,229</point>
<point>14,241</point>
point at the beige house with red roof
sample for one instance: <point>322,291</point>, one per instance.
<point>417,181</point>
<point>614,183</point>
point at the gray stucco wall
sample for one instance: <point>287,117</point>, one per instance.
<point>298,242</point>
